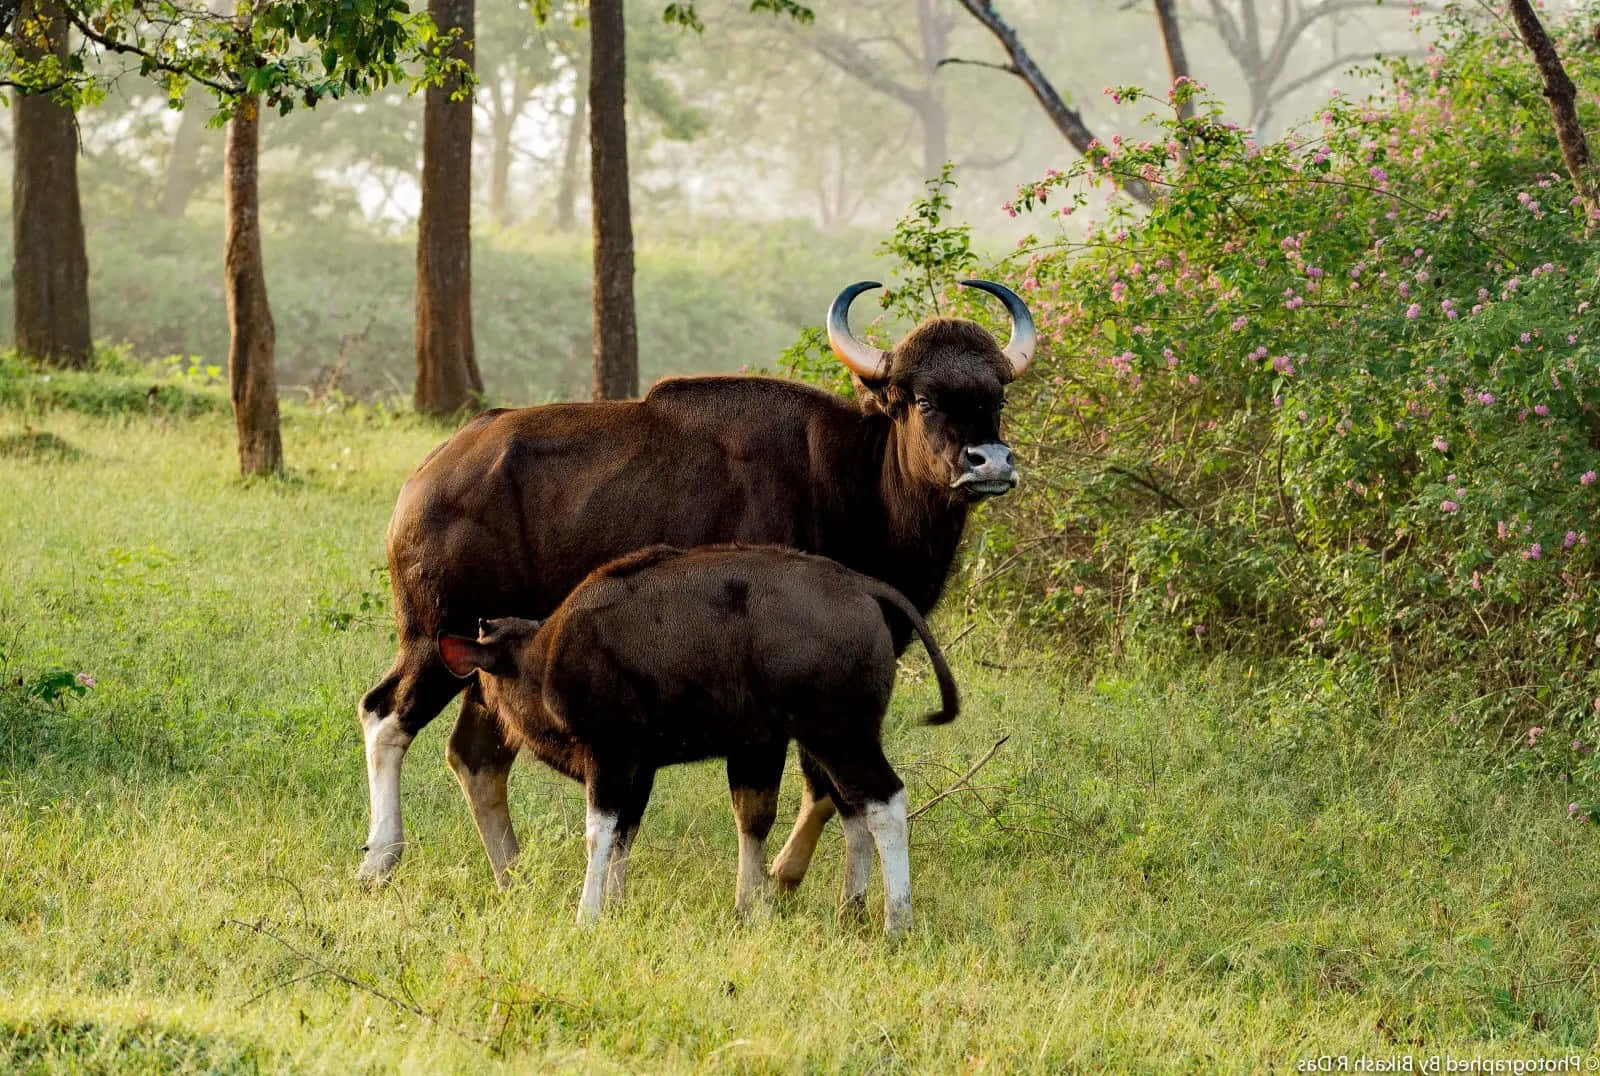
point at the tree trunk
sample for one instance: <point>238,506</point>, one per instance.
<point>577,124</point>
<point>49,262</point>
<point>616,344</point>
<point>182,174</point>
<point>447,368</point>
<point>252,378</point>
<point>935,134</point>
<point>500,170</point>
<point>1172,42</point>
<point>1562,95</point>
<point>934,33</point>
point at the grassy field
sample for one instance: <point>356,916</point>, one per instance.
<point>1155,872</point>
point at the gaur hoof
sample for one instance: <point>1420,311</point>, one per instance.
<point>853,909</point>
<point>378,865</point>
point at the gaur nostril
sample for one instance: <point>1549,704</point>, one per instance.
<point>976,458</point>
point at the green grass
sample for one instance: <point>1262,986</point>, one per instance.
<point>1194,871</point>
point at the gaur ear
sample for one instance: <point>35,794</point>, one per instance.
<point>872,395</point>
<point>463,656</point>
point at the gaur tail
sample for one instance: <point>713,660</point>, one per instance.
<point>949,698</point>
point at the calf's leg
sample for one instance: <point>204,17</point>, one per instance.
<point>481,759</point>
<point>857,865</point>
<point>416,688</point>
<point>612,789</point>
<point>627,829</point>
<point>753,778</point>
<point>816,807</point>
<point>868,786</point>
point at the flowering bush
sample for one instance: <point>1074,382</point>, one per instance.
<point>1334,397</point>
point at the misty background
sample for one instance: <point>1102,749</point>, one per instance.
<point>769,159</point>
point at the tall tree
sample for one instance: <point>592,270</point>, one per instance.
<point>182,174</point>
<point>616,340</point>
<point>252,375</point>
<point>1264,42</point>
<point>572,151</point>
<point>915,85</point>
<point>49,260</point>
<point>447,368</point>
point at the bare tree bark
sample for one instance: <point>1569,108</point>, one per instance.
<point>49,261</point>
<point>1562,95</point>
<point>572,152</point>
<point>447,366</point>
<point>1172,42</point>
<point>252,377</point>
<point>1068,122</point>
<point>616,343</point>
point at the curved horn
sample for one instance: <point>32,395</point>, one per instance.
<point>1019,349</point>
<point>867,363</point>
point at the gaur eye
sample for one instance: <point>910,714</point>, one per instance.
<point>924,405</point>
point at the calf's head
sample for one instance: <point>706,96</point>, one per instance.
<point>506,653</point>
<point>944,387</point>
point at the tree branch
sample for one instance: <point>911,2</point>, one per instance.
<point>232,89</point>
<point>1067,121</point>
<point>1562,95</point>
<point>1172,42</point>
<point>1007,68</point>
<point>848,57</point>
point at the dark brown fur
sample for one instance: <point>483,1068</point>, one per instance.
<point>519,506</point>
<point>668,656</point>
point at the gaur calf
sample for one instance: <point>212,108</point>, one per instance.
<point>668,656</point>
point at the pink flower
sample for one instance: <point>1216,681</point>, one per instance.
<point>1572,808</point>
<point>1413,311</point>
<point>1199,629</point>
<point>1441,444</point>
<point>86,680</point>
<point>1317,622</point>
<point>1486,398</point>
<point>1448,506</point>
<point>1533,552</point>
<point>1541,410</point>
<point>1526,338</point>
<point>1477,581</point>
<point>1500,529</point>
<point>1534,734</point>
<point>1586,478</point>
<point>1570,540</point>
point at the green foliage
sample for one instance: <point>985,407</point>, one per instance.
<point>933,253</point>
<point>289,53</point>
<point>685,15</point>
<point>1335,398</point>
<point>116,386</point>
